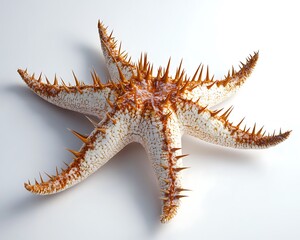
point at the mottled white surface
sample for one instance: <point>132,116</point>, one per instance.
<point>214,95</point>
<point>88,101</point>
<point>248,195</point>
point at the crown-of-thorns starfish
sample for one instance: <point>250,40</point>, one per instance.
<point>152,109</point>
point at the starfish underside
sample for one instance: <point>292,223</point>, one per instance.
<point>152,109</point>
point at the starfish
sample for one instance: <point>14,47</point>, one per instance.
<point>136,105</point>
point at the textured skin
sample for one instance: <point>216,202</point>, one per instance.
<point>154,110</point>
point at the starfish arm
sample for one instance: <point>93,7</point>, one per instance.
<point>87,99</point>
<point>209,126</point>
<point>161,138</point>
<point>212,91</point>
<point>115,58</point>
<point>104,142</point>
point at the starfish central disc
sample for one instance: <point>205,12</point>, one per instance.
<point>152,93</point>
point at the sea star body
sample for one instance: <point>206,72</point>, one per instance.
<point>152,109</point>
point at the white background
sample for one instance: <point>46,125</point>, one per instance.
<point>236,194</point>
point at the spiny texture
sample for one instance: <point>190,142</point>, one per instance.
<point>137,105</point>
